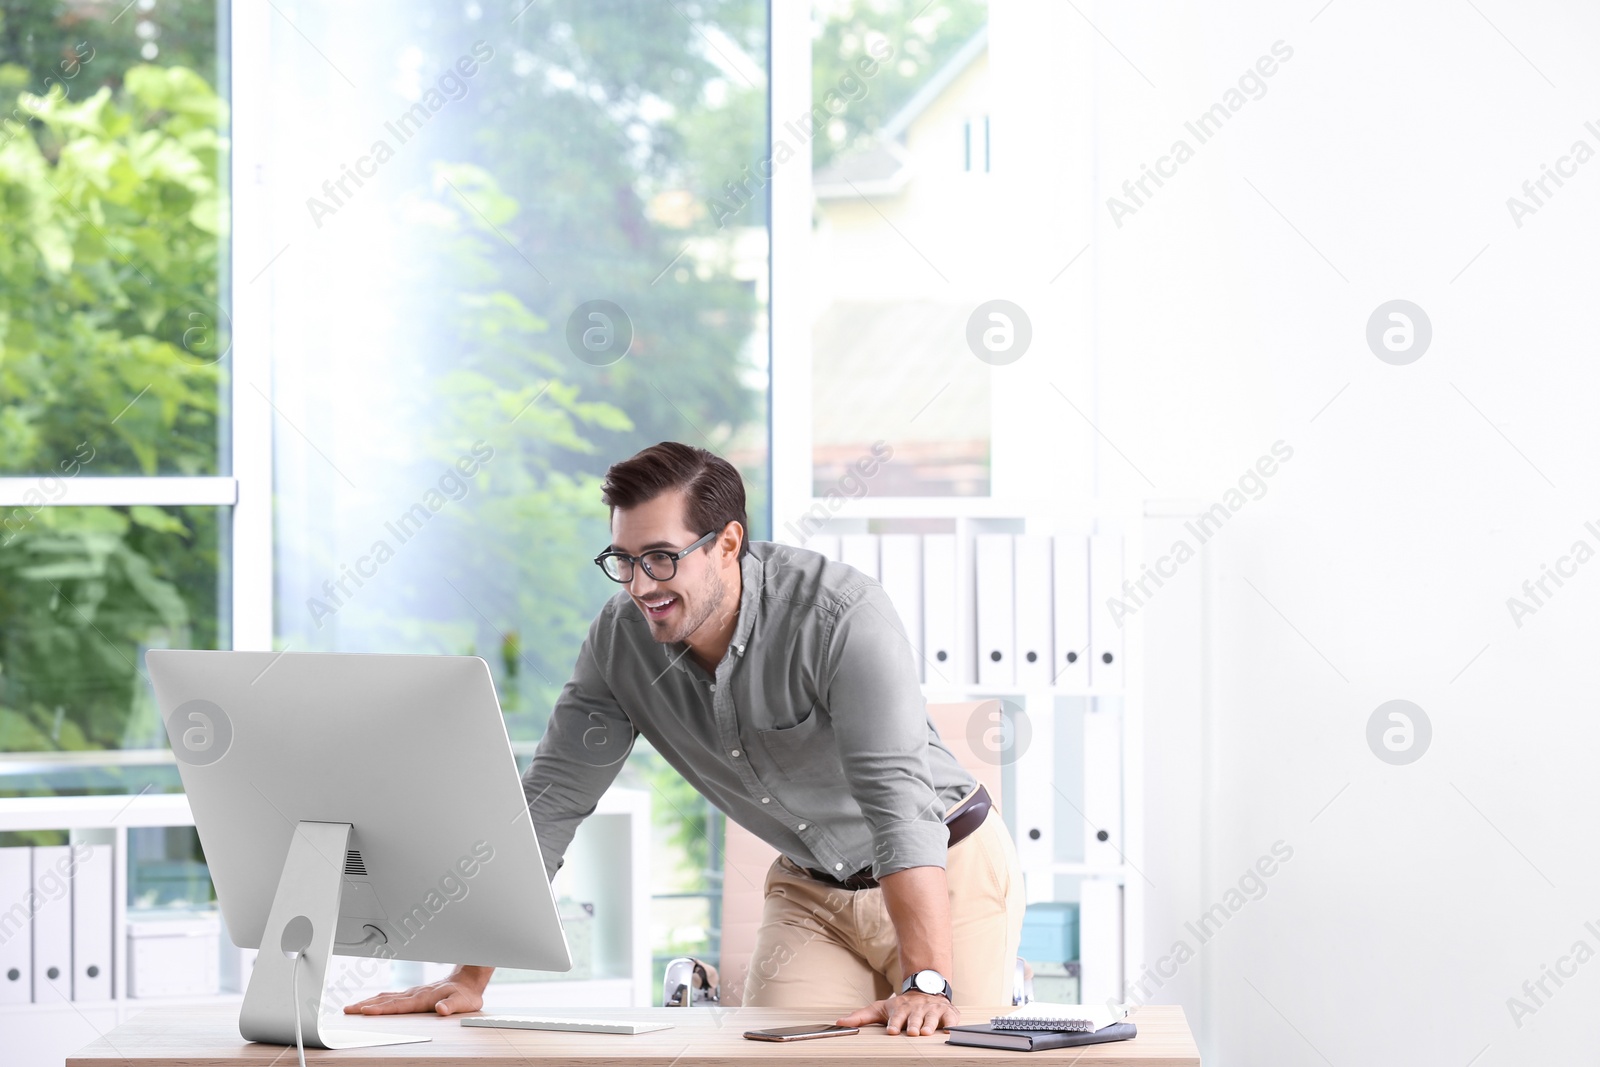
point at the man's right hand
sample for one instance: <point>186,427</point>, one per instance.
<point>461,992</point>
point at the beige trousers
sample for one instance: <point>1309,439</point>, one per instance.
<point>823,947</point>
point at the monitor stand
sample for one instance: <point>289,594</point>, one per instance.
<point>309,888</point>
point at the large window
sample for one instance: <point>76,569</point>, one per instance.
<point>473,254</point>
<point>115,363</point>
<point>510,244</point>
<point>902,159</point>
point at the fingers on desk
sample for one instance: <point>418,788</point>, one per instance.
<point>874,1014</point>
<point>391,1004</point>
<point>917,1018</point>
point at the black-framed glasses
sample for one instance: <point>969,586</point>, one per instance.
<point>658,564</point>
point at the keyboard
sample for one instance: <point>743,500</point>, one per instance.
<point>582,1026</point>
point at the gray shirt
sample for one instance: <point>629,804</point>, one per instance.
<point>813,733</point>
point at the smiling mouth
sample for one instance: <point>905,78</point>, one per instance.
<point>659,609</point>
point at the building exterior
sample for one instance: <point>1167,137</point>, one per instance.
<point>889,327</point>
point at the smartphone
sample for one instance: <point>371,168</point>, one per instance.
<point>800,1033</point>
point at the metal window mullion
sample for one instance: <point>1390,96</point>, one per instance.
<point>252,248</point>
<point>789,304</point>
<point>61,491</point>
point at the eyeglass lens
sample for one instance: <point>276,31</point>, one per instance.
<point>658,565</point>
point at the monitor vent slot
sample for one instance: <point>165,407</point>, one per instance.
<point>354,865</point>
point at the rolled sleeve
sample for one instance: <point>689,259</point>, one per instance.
<point>880,721</point>
<point>583,748</point>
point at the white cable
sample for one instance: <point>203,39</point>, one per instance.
<point>299,1042</point>
<point>297,937</point>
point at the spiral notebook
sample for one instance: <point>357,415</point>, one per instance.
<point>1042,1015</point>
<point>987,1036</point>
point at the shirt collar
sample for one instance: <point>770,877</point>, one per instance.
<point>750,569</point>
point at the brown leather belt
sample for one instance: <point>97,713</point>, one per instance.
<point>967,817</point>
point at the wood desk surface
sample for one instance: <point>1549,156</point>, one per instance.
<point>209,1037</point>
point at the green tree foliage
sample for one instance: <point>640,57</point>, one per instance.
<point>563,177</point>
<point>113,220</point>
<point>519,549</point>
<point>601,116</point>
<point>922,34</point>
<point>613,122</point>
<point>111,361</point>
<point>569,163</point>
<point>44,41</point>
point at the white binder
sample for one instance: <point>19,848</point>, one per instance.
<point>16,925</point>
<point>861,552</point>
<point>900,572</point>
<point>1102,788</point>
<point>1105,634</point>
<point>995,598</point>
<point>827,544</point>
<point>1071,603</point>
<point>1036,818</point>
<point>1033,591</point>
<point>1100,941</point>
<point>939,608</point>
<point>91,923</point>
<point>52,924</point>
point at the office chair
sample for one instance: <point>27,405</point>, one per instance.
<point>1022,984</point>
<point>689,982</point>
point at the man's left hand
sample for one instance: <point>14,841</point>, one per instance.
<point>917,1013</point>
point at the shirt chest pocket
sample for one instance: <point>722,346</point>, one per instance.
<point>804,752</point>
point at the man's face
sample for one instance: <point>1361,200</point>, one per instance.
<point>675,608</point>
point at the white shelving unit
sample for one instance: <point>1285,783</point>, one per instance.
<point>1104,759</point>
<point>608,865</point>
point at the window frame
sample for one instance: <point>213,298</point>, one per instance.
<point>250,422</point>
<point>246,429</point>
<point>789,301</point>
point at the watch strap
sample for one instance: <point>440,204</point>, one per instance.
<point>910,983</point>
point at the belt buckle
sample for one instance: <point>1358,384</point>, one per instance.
<point>861,879</point>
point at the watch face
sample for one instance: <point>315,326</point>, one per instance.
<point>930,981</point>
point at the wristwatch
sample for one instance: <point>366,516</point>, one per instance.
<point>930,982</point>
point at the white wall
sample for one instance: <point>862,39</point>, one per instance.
<point>1378,564</point>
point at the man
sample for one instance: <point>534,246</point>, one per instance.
<point>777,683</point>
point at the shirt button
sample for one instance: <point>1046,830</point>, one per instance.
<point>713,687</point>
<point>838,866</point>
<point>766,800</point>
<point>802,826</point>
<point>734,753</point>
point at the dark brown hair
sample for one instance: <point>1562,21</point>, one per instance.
<point>713,490</point>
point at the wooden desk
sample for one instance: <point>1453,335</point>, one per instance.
<point>207,1037</point>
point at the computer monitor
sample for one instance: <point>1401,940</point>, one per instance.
<point>373,797</point>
